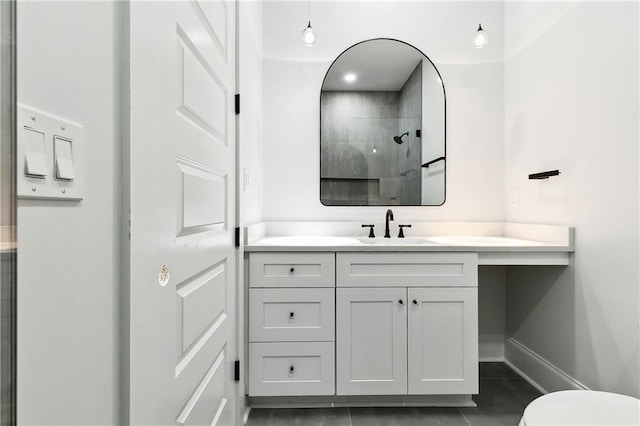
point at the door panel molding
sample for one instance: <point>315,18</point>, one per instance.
<point>202,199</point>
<point>193,297</point>
<point>204,102</point>
<point>204,11</point>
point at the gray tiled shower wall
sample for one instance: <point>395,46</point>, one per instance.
<point>361,163</point>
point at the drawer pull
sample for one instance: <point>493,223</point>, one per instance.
<point>292,270</point>
<point>401,302</point>
<point>415,302</point>
<point>291,370</point>
<point>291,315</point>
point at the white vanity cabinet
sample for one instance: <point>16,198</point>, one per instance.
<point>291,324</point>
<point>363,323</point>
<point>407,323</point>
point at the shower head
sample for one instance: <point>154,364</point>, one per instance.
<point>398,139</point>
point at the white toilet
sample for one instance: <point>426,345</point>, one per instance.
<point>582,407</point>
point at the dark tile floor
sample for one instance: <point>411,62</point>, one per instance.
<point>501,401</point>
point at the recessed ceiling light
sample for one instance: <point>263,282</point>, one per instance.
<point>350,78</point>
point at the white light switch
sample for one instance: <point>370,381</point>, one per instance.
<point>50,155</point>
<point>34,154</point>
<point>64,159</point>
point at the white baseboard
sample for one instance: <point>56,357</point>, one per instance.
<point>539,372</point>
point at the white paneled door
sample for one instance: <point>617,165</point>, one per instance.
<point>181,165</point>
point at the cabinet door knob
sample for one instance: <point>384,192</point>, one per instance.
<point>291,369</point>
<point>291,315</point>
<point>292,269</point>
<point>415,302</point>
<point>401,302</point>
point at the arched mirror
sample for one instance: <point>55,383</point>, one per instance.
<point>382,128</point>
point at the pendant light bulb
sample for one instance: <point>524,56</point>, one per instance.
<point>481,38</point>
<point>308,37</point>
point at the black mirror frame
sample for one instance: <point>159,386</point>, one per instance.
<point>444,93</point>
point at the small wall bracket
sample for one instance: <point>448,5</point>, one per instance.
<point>544,175</point>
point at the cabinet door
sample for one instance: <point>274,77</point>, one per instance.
<point>371,341</point>
<point>443,340</point>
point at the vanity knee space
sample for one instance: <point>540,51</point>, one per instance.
<point>363,323</point>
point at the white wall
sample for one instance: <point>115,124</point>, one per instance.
<point>68,260</point>
<point>250,87</point>
<point>571,103</point>
<point>473,82</point>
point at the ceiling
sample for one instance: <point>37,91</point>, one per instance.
<point>379,65</point>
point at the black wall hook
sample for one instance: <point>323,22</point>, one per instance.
<point>544,175</point>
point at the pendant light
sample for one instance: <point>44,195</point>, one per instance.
<point>481,38</point>
<point>308,37</point>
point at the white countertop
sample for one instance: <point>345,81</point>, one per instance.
<point>426,243</point>
<point>495,243</point>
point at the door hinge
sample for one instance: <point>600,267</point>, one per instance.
<point>237,103</point>
<point>236,371</point>
<point>237,237</point>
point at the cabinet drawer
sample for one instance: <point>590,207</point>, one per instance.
<point>407,269</point>
<point>292,270</point>
<point>287,369</point>
<point>292,314</point>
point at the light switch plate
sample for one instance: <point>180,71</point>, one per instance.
<point>53,128</point>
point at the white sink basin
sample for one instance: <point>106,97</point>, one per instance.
<point>308,241</point>
<point>396,241</point>
<point>482,241</point>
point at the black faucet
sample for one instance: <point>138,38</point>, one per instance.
<point>387,218</point>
